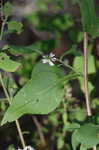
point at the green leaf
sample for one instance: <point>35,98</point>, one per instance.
<point>72,126</point>
<point>33,18</point>
<point>75,142</point>
<point>64,118</point>
<point>90,86</point>
<point>89,19</point>
<point>53,69</point>
<point>41,95</point>
<point>86,135</point>
<point>26,49</point>
<point>46,68</point>
<point>7,9</point>
<point>82,147</point>
<point>79,114</point>
<point>11,147</point>
<point>7,64</point>
<point>60,142</point>
<point>78,64</point>
<point>42,5</point>
<point>14,26</point>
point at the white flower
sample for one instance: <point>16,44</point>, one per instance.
<point>27,148</point>
<point>49,59</point>
<point>52,57</point>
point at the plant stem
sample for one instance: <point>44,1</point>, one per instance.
<point>70,67</point>
<point>20,133</point>
<point>39,128</point>
<point>17,122</point>
<point>2,83</point>
<point>2,28</point>
<point>89,112</point>
<point>3,20</point>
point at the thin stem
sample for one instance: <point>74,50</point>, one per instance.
<point>17,122</point>
<point>3,21</point>
<point>89,113</point>
<point>5,91</point>
<point>1,6</point>
<point>20,133</point>
<point>39,128</point>
<point>2,29</point>
<point>3,86</point>
<point>70,67</point>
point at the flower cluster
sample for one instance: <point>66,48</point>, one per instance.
<point>50,59</point>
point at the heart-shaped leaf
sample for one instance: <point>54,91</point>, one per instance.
<point>86,135</point>
<point>41,95</point>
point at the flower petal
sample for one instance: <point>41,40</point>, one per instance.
<point>44,56</point>
<point>52,55</point>
<point>51,63</point>
<point>54,59</point>
<point>45,61</point>
<point>28,148</point>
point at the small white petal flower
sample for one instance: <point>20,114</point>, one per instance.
<point>52,55</point>
<point>49,59</point>
<point>53,59</point>
<point>45,56</point>
<point>44,61</point>
<point>51,63</point>
<point>27,148</point>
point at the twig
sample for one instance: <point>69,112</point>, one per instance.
<point>2,28</point>
<point>20,133</point>
<point>17,122</point>
<point>70,67</point>
<point>2,83</point>
<point>39,130</point>
<point>89,112</point>
<point>3,20</point>
<point>1,10</point>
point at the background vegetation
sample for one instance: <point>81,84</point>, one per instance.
<point>57,106</point>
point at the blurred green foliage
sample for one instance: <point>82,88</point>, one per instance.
<point>70,117</point>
